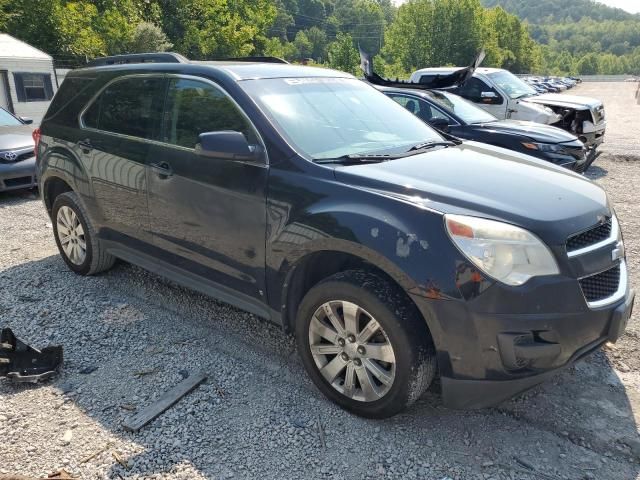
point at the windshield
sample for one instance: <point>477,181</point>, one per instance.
<point>332,117</point>
<point>467,111</point>
<point>511,85</point>
<point>8,120</point>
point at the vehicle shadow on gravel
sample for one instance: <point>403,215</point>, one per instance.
<point>595,172</point>
<point>15,197</point>
<point>129,336</point>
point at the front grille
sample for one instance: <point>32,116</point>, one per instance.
<point>16,156</point>
<point>602,285</point>
<point>24,156</point>
<point>590,237</point>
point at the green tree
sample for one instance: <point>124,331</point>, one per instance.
<point>343,54</point>
<point>74,29</point>
<point>588,64</point>
<point>318,40</point>
<point>364,20</point>
<point>435,32</point>
<point>275,47</point>
<point>214,28</point>
<point>303,45</point>
<point>148,37</point>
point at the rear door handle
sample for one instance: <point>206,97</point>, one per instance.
<point>85,145</point>
<point>163,169</point>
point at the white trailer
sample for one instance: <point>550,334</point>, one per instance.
<point>27,79</point>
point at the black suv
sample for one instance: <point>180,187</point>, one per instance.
<point>309,198</point>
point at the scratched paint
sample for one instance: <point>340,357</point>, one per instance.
<point>403,247</point>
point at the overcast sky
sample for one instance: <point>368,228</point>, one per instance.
<point>632,6</point>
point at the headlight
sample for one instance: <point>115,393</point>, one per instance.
<point>543,147</point>
<point>505,252</point>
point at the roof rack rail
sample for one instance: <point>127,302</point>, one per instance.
<point>256,58</point>
<point>161,57</point>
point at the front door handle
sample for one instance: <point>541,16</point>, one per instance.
<point>85,145</point>
<point>163,169</point>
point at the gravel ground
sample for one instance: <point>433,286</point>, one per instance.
<point>129,336</point>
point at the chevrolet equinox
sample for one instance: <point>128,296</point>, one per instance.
<point>309,198</point>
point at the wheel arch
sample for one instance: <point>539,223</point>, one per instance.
<point>315,266</point>
<point>62,171</point>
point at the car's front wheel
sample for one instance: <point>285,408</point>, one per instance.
<point>364,346</point>
<point>76,236</point>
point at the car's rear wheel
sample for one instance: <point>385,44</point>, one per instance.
<point>76,237</point>
<point>364,345</point>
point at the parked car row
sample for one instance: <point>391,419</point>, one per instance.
<point>392,250</point>
<point>551,84</point>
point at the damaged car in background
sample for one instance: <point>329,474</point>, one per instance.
<point>504,95</point>
<point>453,114</point>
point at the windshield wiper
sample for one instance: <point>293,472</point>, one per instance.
<point>427,145</point>
<point>383,157</point>
<point>359,158</point>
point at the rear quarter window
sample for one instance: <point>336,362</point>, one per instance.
<point>61,109</point>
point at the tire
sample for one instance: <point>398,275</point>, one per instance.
<point>403,373</point>
<point>68,210</point>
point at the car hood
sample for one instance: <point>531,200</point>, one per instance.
<point>561,100</point>
<point>535,131</point>
<point>12,138</point>
<point>456,78</point>
<point>491,182</point>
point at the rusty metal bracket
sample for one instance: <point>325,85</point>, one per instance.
<point>22,363</point>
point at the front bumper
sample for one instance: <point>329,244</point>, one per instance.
<point>573,160</point>
<point>486,358</point>
<point>594,138</point>
<point>18,175</point>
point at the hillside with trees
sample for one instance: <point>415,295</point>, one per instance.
<point>580,36</point>
<point>561,11</point>
<point>416,34</point>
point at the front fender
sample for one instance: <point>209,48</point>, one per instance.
<point>406,241</point>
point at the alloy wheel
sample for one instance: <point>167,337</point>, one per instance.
<point>71,235</point>
<point>352,351</point>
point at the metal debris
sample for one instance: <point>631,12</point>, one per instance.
<point>24,364</point>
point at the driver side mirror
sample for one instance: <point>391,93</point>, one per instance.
<point>439,124</point>
<point>26,120</point>
<point>491,98</point>
<point>228,144</point>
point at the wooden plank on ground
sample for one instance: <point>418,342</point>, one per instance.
<point>150,412</point>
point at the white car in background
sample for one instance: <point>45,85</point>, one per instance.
<point>504,95</point>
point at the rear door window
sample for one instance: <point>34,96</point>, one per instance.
<point>131,106</point>
<point>194,107</point>
<point>422,109</point>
